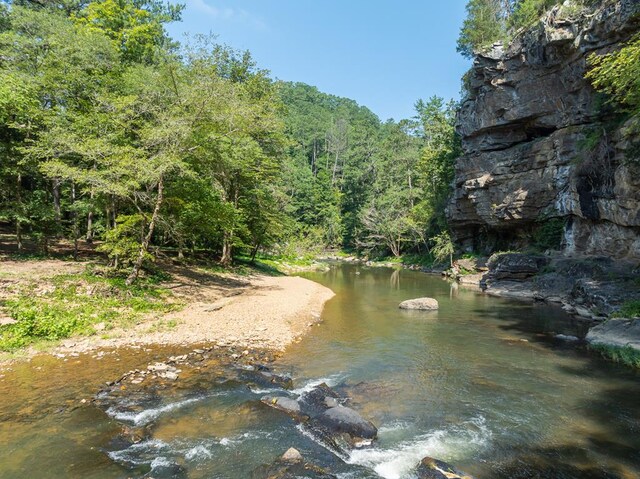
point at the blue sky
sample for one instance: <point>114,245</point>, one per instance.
<point>384,54</point>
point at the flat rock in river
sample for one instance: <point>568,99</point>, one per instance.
<point>431,468</point>
<point>284,404</point>
<point>616,332</point>
<point>423,304</point>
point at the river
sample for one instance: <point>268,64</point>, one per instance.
<point>481,383</point>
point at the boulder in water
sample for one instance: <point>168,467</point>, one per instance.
<point>318,400</point>
<point>291,466</point>
<point>431,468</point>
<point>422,304</point>
<point>342,420</point>
<point>166,470</point>
<point>292,455</point>
<point>284,404</point>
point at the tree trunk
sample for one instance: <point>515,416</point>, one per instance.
<point>335,170</point>
<point>89,237</point>
<point>114,213</point>
<point>180,249</point>
<point>254,252</point>
<point>56,203</point>
<point>76,229</point>
<point>144,247</point>
<point>19,208</point>
<point>19,235</point>
<point>314,170</point>
<point>227,241</point>
<point>227,248</point>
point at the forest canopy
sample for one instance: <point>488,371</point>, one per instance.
<point>113,133</point>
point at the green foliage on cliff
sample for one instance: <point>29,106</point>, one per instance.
<point>484,25</point>
<point>490,21</point>
<point>618,75</point>
<point>549,234</point>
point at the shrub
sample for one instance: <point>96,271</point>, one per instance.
<point>75,304</point>
<point>549,234</point>
<point>630,309</point>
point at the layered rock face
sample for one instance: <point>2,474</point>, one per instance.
<point>537,145</point>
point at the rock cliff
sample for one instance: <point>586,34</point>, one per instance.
<point>538,144</point>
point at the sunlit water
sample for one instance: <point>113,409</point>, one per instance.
<point>481,383</point>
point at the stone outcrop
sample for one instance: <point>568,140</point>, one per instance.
<point>524,127</point>
<point>593,288</point>
<point>616,332</point>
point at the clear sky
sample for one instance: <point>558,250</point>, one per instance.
<point>384,54</point>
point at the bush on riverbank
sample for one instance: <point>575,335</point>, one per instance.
<point>82,304</point>
<point>630,309</point>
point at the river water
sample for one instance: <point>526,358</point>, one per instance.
<point>481,383</point>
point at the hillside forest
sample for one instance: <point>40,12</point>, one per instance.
<point>114,134</point>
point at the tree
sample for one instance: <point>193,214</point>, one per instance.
<point>484,25</point>
<point>490,21</point>
<point>135,26</point>
<point>443,247</point>
<point>618,75</point>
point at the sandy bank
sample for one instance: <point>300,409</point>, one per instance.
<point>260,311</point>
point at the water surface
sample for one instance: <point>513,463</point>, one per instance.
<point>480,383</point>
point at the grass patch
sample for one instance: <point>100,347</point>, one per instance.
<point>71,305</point>
<point>624,355</point>
<point>163,325</point>
<point>275,265</point>
<point>630,309</point>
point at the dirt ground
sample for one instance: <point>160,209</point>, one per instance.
<point>255,310</point>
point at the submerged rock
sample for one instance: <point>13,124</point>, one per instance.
<point>320,410</point>
<point>431,468</point>
<point>423,304</point>
<point>291,466</point>
<point>263,377</point>
<point>166,470</point>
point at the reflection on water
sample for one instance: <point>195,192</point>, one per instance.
<point>479,383</point>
